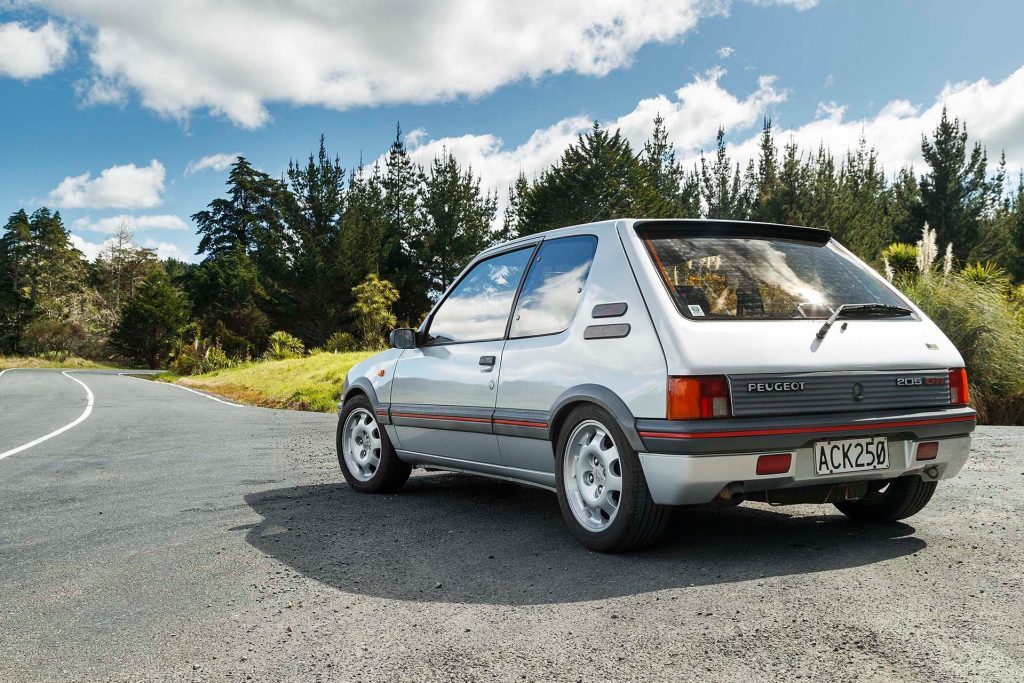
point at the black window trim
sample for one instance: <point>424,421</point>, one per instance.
<point>515,304</point>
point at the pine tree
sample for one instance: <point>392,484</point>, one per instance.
<point>151,320</point>
<point>230,300</point>
<point>905,207</point>
<point>597,178</point>
<point>513,221</point>
<point>955,189</point>
<point>1017,228</point>
<point>15,305</point>
<point>55,266</point>
<point>997,229</point>
<point>402,185</point>
<point>316,288</point>
<point>768,198</point>
<point>458,217</point>
<point>721,185</point>
<point>666,192</point>
<point>821,207</point>
<point>794,186</point>
<point>363,224</point>
<point>861,220</point>
<point>120,268</point>
<point>248,219</point>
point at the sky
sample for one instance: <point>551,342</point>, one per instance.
<point>129,112</point>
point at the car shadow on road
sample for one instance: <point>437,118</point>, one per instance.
<point>459,538</point>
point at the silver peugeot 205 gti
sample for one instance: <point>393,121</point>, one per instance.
<point>635,365</point>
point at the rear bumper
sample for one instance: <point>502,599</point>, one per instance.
<point>689,463</point>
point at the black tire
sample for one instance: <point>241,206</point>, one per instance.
<point>639,521</point>
<point>903,497</point>
<point>391,473</point>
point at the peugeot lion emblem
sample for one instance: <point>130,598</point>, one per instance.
<point>858,391</point>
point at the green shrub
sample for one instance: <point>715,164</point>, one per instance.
<point>282,345</point>
<point>341,342</point>
<point>198,356</point>
<point>372,310</point>
<point>901,257</point>
<point>987,274</point>
<point>45,335</point>
<point>988,330</point>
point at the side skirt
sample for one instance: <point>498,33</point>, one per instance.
<point>542,480</point>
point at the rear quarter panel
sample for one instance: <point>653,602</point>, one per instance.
<point>536,371</point>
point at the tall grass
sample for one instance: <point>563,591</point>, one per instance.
<point>988,329</point>
<point>308,383</point>
<point>49,360</point>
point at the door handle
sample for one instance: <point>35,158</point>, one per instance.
<point>489,361</point>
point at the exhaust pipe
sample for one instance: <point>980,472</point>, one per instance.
<point>731,495</point>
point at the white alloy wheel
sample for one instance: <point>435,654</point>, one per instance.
<point>361,445</point>
<point>592,475</point>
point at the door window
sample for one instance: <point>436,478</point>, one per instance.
<point>478,308</point>
<point>554,286</point>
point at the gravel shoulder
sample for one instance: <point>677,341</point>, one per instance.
<point>170,537</point>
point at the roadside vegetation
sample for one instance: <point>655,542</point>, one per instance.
<point>981,312</point>
<point>310,382</point>
<point>49,361</point>
<point>327,259</point>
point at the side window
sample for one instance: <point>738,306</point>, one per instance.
<point>478,307</point>
<point>554,286</point>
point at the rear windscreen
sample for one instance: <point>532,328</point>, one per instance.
<point>739,278</point>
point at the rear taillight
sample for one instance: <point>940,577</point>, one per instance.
<point>695,398</point>
<point>959,395</point>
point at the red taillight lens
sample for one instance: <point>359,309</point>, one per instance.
<point>776,463</point>
<point>696,398</point>
<point>959,395</point>
<point>927,450</point>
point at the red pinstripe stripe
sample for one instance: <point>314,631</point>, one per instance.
<point>451,418</point>
<point>522,423</point>
<point>805,430</point>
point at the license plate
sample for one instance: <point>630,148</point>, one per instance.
<point>851,455</point>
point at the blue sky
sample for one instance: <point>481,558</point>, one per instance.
<point>106,104</point>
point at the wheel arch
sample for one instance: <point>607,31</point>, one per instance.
<point>360,385</point>
<point>593,394</point>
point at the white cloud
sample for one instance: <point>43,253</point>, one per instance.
<point>90,249</point>
<point>994,113</point>
<point>118,187</point>
<point>233,57</point>
<point>724,52</point>
<point>27,53</point>
<point>165,250</point>
<point>798,4</point>
<point>214,162</point>
<point>100,91</point>
<point>692,117</point>
<point>112,224</point>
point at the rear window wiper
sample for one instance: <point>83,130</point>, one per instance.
<point>874,310</point>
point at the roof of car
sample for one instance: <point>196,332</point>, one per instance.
<point>704,226</point>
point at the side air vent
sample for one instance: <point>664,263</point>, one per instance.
<point>610,310</point>
<point>606,331</point>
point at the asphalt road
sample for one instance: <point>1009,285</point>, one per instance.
<point>168,536</point>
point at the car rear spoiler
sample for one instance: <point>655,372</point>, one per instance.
<point>722,228</point>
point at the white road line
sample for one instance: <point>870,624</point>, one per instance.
<point>178,386</point>
<point>90,399</point>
